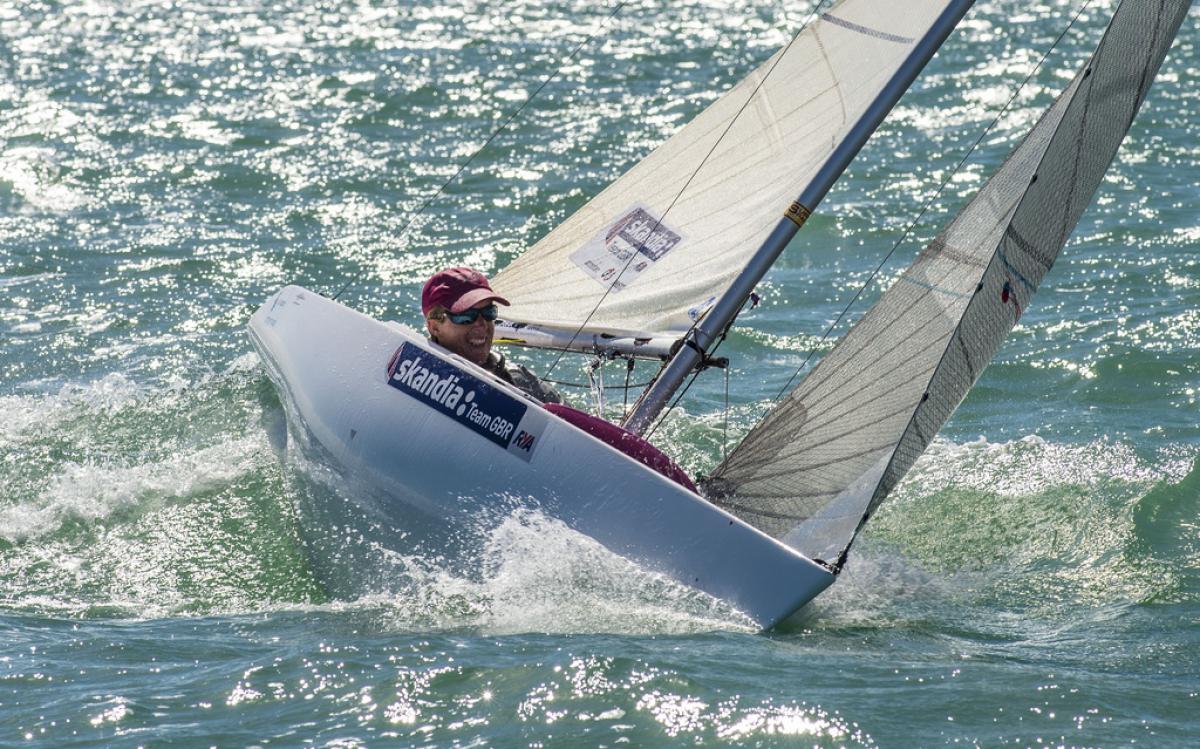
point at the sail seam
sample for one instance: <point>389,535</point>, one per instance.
<point>966,355</point>
<point>1028,248</point>
<point>938,248</point>
<point>1012,270</point>
<point>936,289</point>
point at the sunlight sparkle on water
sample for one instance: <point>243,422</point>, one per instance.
<point>114,714</point>
<point>169,166</point>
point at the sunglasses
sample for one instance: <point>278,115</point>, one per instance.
<point>490,312</point>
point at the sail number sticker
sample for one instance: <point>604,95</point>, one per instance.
<point>484,409</point>
<point>625,248</point>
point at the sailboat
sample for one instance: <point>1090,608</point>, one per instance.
<point>657,266</point>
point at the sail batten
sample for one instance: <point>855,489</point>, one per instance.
<point>932,332</point>
<point>866,30</point>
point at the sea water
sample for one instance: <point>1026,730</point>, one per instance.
<point>164,167</point>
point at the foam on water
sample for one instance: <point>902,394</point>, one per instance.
<point>22,414</point>
<point>94,491</point>
<point>542,576</point>
<point>1029,524</point>
<point>1030,464</point>
<point>127,527</point>
<point>127,499</point>
<point>534,574</point>
<point>1022,526</point>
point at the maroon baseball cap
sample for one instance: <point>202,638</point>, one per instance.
<point>458,290</point>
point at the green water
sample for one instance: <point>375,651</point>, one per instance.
<point>164,168</point>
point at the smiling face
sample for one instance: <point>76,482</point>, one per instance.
<point>472,341</point>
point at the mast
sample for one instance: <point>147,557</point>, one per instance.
<point>696,344</point>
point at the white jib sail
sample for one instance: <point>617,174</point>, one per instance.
<point>694,218</point>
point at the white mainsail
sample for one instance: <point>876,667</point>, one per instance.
<point>654,250</point>
<point>819,464</point>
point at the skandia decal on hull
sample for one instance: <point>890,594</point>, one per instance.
<point>483,408</point>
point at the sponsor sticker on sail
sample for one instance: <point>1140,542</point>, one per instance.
<point>624,249</point>
<point>484,409</point>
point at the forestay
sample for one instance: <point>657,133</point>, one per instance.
<point>650,253</point>
<point>820,463</point>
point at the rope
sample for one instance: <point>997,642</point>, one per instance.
<point>596,378</point>
<point>708,354</point>
<point>626,386</point>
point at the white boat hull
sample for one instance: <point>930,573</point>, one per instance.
<point>429,443</point>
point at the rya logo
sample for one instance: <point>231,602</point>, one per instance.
<point>524,441</point>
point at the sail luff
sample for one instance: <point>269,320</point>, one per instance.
<point>721,316</point>
<point>986,265</point>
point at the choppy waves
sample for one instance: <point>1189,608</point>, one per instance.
<point>1031,528</point>
<point>126,500</point>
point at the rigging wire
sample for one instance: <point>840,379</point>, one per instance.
<point>628,375</point>
<point>679,397</point>
<point>843,555</point>
<point>658,222</point>
<point>920,214</point>
<point>725,421</point>
<point>695,374</point>
<point>503,126</point>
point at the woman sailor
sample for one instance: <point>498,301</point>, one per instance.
<point>460,314</point>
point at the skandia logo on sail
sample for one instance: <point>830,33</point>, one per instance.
<point>483,408</point>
